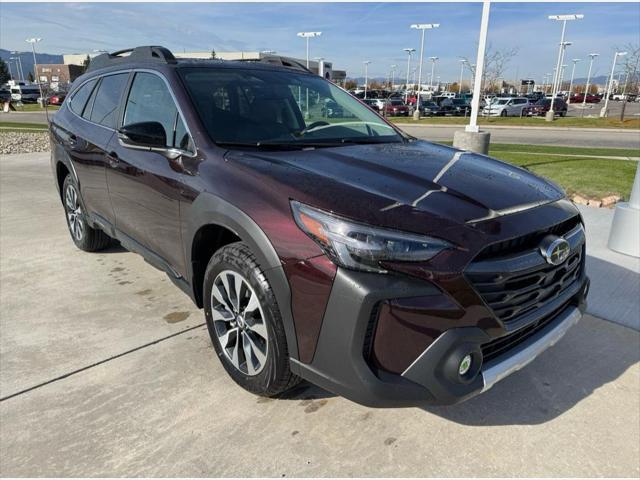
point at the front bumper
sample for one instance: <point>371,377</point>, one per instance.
<point>339,364</point>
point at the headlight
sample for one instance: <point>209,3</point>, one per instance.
<point>361,247</point>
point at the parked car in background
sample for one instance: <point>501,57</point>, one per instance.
<point>430,109</point>
<point>5,95</point>
<point>395,108</point>
<point>25,93</point>
<point>56,98</point>
<point>376,103</point>
<point>542,106</point>
<point>506,107</point>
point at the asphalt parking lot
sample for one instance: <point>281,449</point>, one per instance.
<point>106,370</point>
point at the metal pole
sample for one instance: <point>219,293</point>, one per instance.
<point>366,72</point>
<point>475,102</point>
<point>586,88</point>
<point>35,67</point>
<point>433,67</point>
<point>557,75</point>
<point>573,71</point>
<point>462,62</point>
<point>603,112</point>
<point>406,91</point>
<point>10,73</point>
<point>418,97</point>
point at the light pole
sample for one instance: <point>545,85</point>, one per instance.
<point>462,62</point>
<point>433,68</point>
<point>423,27</point>
<point>393,75</point>
<point>366,76</point>
<point>10,72</point>
<point>563,66</point>
<point>564,19</point>
<point>15,59</point>
<point>561,79</point>
<point>406,90</point>
<point>603,112</point>
<point>33,42</point>
<point>586,88</point>
<point>307,36</point>
<point>573,71</point>
<point>18,61</point>
<point>471,73</point>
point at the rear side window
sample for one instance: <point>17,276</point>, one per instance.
<point>79,99</point>
<point>150,101</point>
<point>105,105</point>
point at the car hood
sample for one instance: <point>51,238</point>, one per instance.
<point>419,176</point>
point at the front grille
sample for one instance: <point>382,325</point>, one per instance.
<point>497,347</point>
<point>515,286</point>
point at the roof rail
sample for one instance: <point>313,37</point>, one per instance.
<point>154,54</point>
<point>281,61</point>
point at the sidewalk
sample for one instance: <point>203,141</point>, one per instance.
<point>615,278</point>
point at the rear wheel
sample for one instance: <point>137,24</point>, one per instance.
<point>85,238</point>
<point>503,113</point>
<point>244,322</point>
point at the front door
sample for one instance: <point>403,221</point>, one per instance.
<point>146,186</point>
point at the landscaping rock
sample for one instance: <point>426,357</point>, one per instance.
<point>580,200</point>
<point>610,200</point>
<point>23,142</point>
<point>594,203</point>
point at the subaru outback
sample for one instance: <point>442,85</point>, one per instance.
<point>327,247</point>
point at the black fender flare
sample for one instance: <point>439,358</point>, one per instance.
<point>210,209</point>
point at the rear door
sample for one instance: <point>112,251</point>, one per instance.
<point>146,186</point>
<point>95,105</point>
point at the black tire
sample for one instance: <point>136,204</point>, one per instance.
<point>275,377</point>
<point>503,113</point>
<point>85,238</point>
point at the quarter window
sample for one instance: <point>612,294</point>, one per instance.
<point>79,99</point>
<point>105,105</point>
<point>150,101</point>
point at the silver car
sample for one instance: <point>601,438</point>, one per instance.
<point>506,107</point>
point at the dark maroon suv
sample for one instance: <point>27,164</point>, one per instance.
<point>335,249</point>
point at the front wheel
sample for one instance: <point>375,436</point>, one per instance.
<point>503,113</point>
<point>245,324</point>
<point>85,238</point>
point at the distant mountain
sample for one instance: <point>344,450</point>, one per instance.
<point>26,58</point>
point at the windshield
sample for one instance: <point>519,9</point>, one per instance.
<point>501,102</point>
<point>267,108</point>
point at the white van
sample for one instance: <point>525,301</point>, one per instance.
<point>505,107</point>
<point>25,93</point>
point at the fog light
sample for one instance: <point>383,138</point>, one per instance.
<point>465,365</point>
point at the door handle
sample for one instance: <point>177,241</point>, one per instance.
<point>113,159</point>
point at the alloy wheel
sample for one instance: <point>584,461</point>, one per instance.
<point>239,322</point>
<point>74,212</point>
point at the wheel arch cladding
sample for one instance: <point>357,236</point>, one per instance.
<point>61,173</point>
<point>211,217</point>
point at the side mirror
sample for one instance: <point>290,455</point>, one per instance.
<point>143,134</point>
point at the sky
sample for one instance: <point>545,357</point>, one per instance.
<point>351,32</point>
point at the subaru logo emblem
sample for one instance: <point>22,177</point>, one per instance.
<point>555,250</point>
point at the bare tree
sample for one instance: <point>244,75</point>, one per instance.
<point>496,63</point>
<point>631,64</point>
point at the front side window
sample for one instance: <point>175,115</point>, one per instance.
<point>107,100</point>
<point>256,107</point>
<point>80,97</point>
<point>150,100</point>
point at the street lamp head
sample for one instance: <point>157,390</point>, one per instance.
<point>409,50</point>
<point>367,62</point>
<point>576,16</point>
<point>309,34</point>
<point>425,26</point>
<point>566,44</point>
<point>575,60</point>
<point>621,54</point>
<point>33,40</point>
<point>594,55</point>
<point>433,59</point>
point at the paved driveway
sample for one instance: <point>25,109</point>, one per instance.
<point>149,398</point>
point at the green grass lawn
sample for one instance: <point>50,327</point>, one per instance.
<point>34,107</point>
<point>21,127</point>
<point>633,123</point>
<point>589,177</point>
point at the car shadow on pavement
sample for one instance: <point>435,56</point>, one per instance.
<point>593,353</point>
